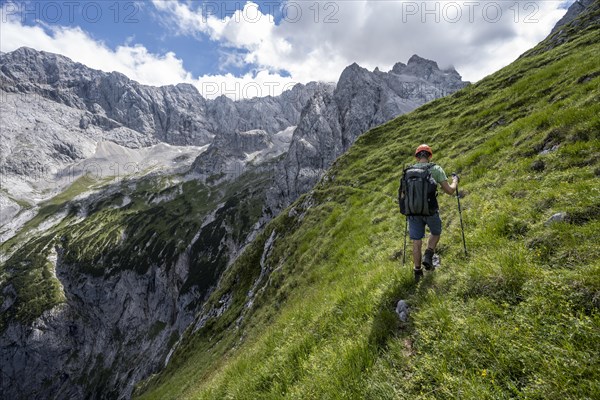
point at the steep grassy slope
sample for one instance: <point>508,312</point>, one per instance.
<point>518,318</point>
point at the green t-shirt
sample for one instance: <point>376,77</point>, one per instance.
<point>437,172</point>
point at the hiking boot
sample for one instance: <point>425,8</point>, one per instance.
<point>418,274</point>
<point>428,259</point>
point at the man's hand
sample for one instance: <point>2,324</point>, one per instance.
<point>450,188</point>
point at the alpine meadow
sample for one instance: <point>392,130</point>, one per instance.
<point>310,303</point>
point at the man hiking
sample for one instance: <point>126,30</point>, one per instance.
<point>418,201</point>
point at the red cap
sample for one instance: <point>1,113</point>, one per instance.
<point>424,147</point>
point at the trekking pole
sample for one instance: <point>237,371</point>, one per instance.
<point>404,251</point>
<point>460,216</point>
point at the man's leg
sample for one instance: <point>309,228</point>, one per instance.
<point>433,241</point>
<point>435,226</point>
<point>416,230</point>
<point>417,246</point>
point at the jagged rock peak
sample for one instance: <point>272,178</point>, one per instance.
<point>353,68</point>
<point>175,114</point>
<point>352,73</point>
<point>428,70</point>
<point>31,52</point>
<point>415,60</point>
<point>422,68</point>
<point>398,68</point>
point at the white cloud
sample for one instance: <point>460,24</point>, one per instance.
<point>315,41</point>
<point>318,39</point>
<point>134,61</point>
<point>266,44</point>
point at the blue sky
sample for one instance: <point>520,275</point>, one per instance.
<point>124,21</point>
<point>115,23</point>
<point>226,46</point>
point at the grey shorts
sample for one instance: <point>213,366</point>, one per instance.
<point>416,226</point>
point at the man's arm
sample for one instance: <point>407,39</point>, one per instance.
<point>450,188</point>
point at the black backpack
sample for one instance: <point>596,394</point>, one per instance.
<point>417,194</point>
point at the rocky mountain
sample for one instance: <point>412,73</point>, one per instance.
<point>332,120</point>
<point>123,205</point>
<point>55,113</point>
<point>177,115</point>
<point>57,110</point>
<point>54,110</point>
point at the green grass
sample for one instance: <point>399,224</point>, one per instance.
<point>518,318</point>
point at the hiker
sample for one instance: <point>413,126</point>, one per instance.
<point>421,210</point>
